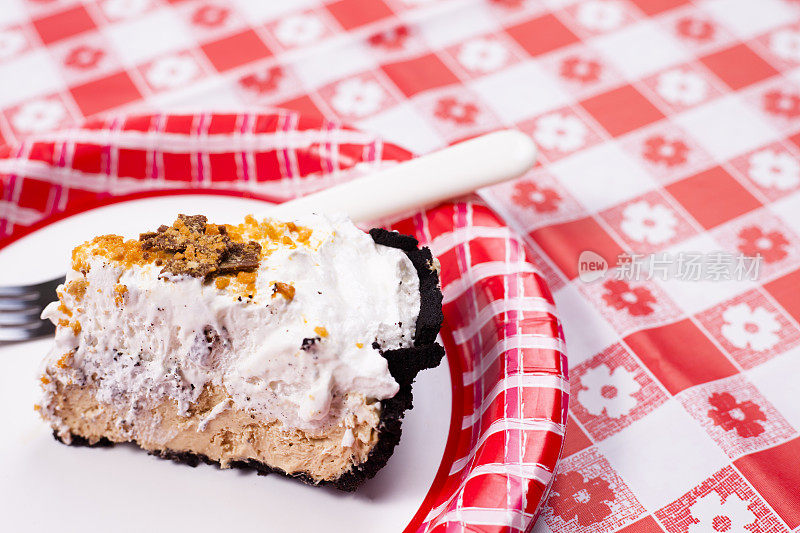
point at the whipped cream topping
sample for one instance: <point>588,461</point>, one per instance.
<point>309,361</point>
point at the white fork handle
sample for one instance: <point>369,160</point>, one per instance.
<point>426,180</point>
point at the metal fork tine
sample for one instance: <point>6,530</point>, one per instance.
<point>12,308</point>
<point>33,291</point>
<point>22,291</point>
<point>15,305</point>
<point>16,334</point>
<point>24,297</point>
<point>18,291</point>
<point>20,307</point>
<point>26,316</point>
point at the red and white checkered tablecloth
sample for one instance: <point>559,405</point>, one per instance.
<point>669,131</point>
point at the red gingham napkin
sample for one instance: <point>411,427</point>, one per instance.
<point>666,127</point>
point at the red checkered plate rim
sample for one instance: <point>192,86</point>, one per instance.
<point>502,335</point>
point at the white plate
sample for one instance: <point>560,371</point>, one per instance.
<point>48,487</point>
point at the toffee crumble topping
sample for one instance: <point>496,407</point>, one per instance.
<point>200,249</point>
<point>284,289</point>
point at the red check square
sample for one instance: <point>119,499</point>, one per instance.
<point>309,161</point>
<point>575,439</point>
<point>303,105</point>
<point>270,123</point>
<point>784,290</point>
<point>483,249</point>
<point>680,355</point>
<point>97,123</point>
<point>419,74</point>
<point>36,194</point>
<point>645,525</point>
<point>541,35</point>
<point>535,403</point>
<point>654,7</point>
<point>132,163</point>
<point>489,490</point>
<point>535,360</point>
<point>535,491</point>
<point>64,24</point>
<point>138,123</point>
<point>565,242</point>
<point>302,122</point>
<point>483,216</point>
<point>88,158</point>
<point>527,445</point>
<point>41,151</point>
<point>266,163</point>
<point>79,196</point>
<point>236,50</point>
<point>354,13</point>
<point>223,167</point>
<point>183,124</point>
<point>738,66</point>
<point>774,474</point>
<point>177,167</point>
<point>347,152</point>
<point>713,197</point>
<point>794,139</point>
<point>223,124</point>
<point>105,93</point>
<point>622,110</point>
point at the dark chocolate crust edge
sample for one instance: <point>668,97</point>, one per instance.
<point>404,365</point>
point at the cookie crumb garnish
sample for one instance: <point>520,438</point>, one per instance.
<point>119,293</point>
<point>246,278</point>
<point>284,289</point>
<point>65,360</point>
<point>275,233</point>
<point>77,288</point>
<point>200,249</point>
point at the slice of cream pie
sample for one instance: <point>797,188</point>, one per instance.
<point>285,346</point>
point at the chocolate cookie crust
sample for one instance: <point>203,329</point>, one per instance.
<point>404,365</point>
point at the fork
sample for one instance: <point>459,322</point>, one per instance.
<point>415,184</point>
<point>20,307</point>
